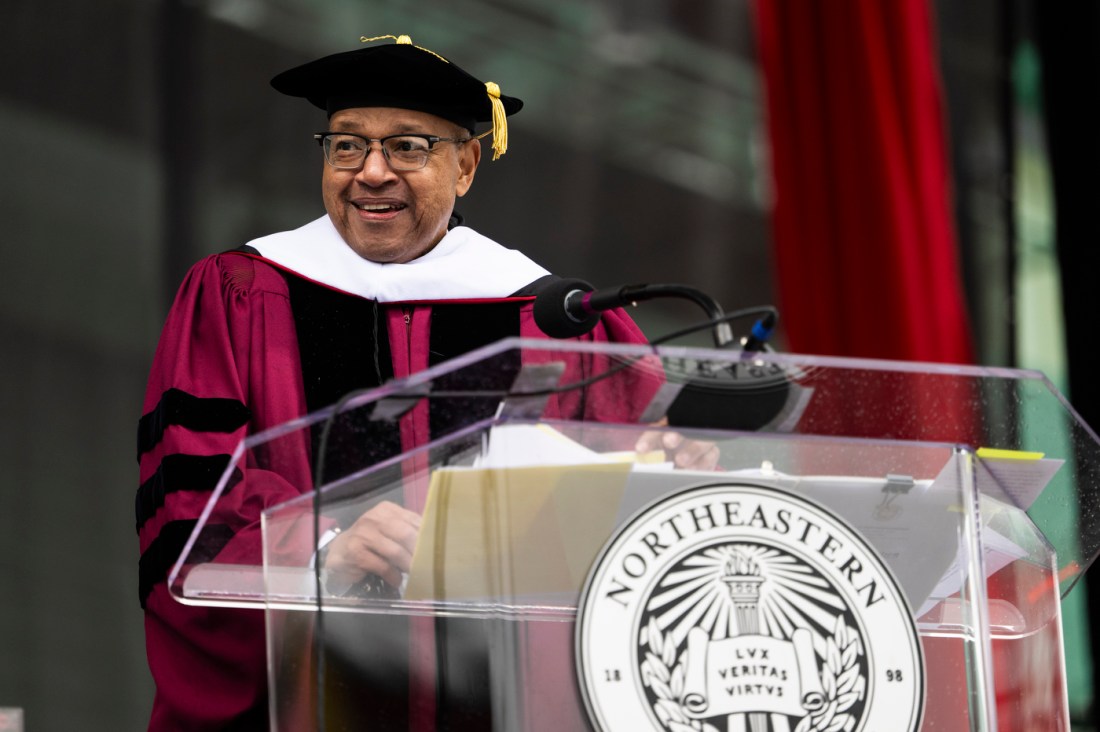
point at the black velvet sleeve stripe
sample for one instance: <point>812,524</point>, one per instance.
<point>166,548</point>
<point>177,407</point>
<point>180,473</point>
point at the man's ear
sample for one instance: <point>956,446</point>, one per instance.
<point>469,155</point>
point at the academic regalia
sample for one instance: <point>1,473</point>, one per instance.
<point>262,335</point>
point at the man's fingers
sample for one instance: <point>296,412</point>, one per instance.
<point>671,440</point>
<point>366,549</point>
<point>697,455</point>
<point>684,453</point>
<point>658,440</point>
<point>648,442</point>
<point>380,542</point>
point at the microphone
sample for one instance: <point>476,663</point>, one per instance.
<point>560,309</point>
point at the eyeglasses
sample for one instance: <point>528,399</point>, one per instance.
<point>403,152</point>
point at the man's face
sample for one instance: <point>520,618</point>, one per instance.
<point>396,216</point>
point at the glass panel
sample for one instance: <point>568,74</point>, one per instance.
<point>520,460</point>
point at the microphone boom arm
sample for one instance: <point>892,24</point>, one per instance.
<point>630,294</point>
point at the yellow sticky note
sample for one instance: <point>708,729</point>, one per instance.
<point>997,454</point>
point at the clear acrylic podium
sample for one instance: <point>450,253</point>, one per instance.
<point>977,486</point>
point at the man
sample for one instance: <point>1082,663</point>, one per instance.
<point>387,283</point>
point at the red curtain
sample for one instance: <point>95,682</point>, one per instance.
<point>865,246</point>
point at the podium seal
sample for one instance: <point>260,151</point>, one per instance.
<point>741,607</point>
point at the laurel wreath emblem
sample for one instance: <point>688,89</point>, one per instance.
<point>842,681</point>
<point>663,672</point>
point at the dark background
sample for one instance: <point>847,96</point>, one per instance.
<point>137,136</point>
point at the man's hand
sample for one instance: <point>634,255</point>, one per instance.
<point>380,542</point>
<point>684,453</point>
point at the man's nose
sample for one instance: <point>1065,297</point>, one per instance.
<point>376,168</point>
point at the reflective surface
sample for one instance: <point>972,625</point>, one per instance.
<point>964,480</point>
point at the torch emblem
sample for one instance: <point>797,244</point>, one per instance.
<point>743,609</point>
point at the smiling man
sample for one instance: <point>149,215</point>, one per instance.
<point>386,283</point>
<point>393,206</point>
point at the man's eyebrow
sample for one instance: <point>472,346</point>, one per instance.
<point>405,127</point>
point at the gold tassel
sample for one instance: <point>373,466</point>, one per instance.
<point>403,40</point>
<point>500,121</point>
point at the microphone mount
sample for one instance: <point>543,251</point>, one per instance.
<point>571,307</point>
<point>599,300</point>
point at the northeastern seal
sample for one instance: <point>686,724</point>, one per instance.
<point>743,607</point>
